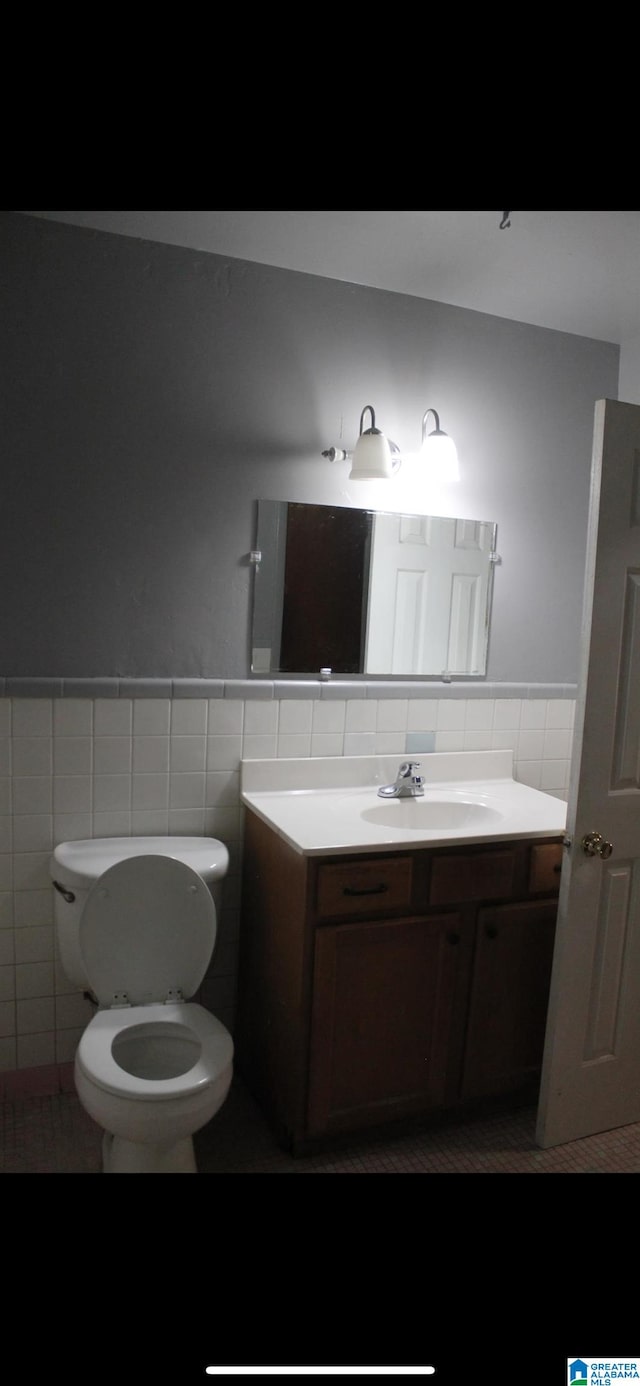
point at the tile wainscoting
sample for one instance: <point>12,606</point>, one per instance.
<point>101,758</point>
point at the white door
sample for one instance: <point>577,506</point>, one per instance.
<point>591,1069</point>
<point>428,590</point>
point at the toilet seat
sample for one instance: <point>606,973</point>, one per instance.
<point>96,1060</point>
<point>147,931</point>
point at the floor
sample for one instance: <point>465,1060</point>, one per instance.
<point>53,1135</point>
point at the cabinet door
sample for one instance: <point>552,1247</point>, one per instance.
<point>387,1018</point>
<point>509,997</point>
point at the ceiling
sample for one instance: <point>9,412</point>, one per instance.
<point>572,271</point>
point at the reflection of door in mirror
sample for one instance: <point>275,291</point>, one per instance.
<point>326,564</point>
<point>427,605</point>
<point>368,592</point>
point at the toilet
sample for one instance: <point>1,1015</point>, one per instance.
<point>136,927</point>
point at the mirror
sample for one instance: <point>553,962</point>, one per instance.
<point>370,592</point>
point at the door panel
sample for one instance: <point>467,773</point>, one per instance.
<point>591,1070</point>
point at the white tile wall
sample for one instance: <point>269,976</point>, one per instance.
<point>81,767</point>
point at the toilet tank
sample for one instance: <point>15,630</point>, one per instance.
<point>76,866</point>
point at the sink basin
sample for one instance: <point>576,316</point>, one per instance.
<point>329,805</point>
<point>437,813</point>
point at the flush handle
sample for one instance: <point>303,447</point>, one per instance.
<point>68,894</point>
<point>594,845</point>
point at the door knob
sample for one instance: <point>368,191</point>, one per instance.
<point>594,845</point>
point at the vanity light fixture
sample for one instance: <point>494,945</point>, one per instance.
<point>439,451</point>
<point>374,458</point>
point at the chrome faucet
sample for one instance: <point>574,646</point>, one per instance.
<point>409,783</point>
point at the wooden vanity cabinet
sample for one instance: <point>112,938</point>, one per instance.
<point>377,988</point>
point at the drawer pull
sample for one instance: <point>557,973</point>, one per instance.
<point>370,890</point>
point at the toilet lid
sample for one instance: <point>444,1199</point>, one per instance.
<point>148,928</point>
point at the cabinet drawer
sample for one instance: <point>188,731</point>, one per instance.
<point>364,888</point>
<point>462,876</point>
<point>545,865</point>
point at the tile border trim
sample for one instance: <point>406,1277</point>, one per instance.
<point>267,689</point>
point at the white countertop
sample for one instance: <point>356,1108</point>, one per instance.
<point>330,805</point>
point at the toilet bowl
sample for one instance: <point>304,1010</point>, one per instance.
<point>151,1080</point>
<point>152,1067</point>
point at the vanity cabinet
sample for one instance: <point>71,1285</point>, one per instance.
<point>373,988</point>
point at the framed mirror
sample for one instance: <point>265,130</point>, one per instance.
<point>370,592</point>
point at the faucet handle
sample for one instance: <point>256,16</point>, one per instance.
<point>408,770</point>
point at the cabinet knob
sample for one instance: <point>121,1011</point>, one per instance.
<point>491,931</point>
<point>453,939</point>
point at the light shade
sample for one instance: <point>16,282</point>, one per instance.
<point>371,459</point>
<point>439,451</point>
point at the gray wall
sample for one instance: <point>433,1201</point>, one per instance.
<point>152,394</point>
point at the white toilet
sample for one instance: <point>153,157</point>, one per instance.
<point>136,927</point>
